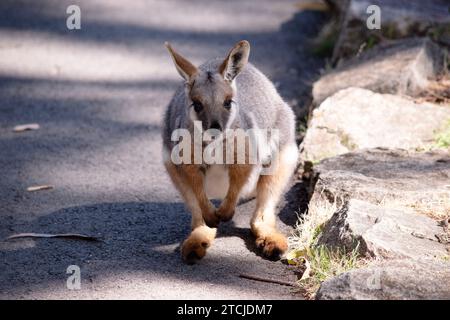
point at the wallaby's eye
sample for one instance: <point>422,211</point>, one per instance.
<point>227,104</point>
<point>198,107</point>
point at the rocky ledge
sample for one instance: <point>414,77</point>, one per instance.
<point>393,206</point>
<point>357,118</point>
<point>377,150</point>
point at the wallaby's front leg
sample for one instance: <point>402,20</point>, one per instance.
<point>202,236</point>
<point>238,176</point>
<point>195,178</point>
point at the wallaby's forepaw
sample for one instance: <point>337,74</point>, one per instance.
<point>195,246</point>
<point>209,216</point>
<point>212,220</point>
<point>272,245</point>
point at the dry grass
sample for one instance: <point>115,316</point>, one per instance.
<point>438,90</point>
<point>318,262</point>
<point>310,224</point>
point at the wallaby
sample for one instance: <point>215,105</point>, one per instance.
<point>225,94</point>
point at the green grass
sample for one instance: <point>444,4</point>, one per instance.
<point>324,47</point>
<point>371,42</point>
<point>346,141</point>
<point>318,262</point>
<point>324,43</point>
<point>321,263</point>
<point>302,127</point>
<point>442,139</point>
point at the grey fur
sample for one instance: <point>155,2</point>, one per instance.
<point>257,101</point>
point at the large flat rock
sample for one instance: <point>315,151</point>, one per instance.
<point>420,181</point>
<point>402,67</point>
<point>356,118</point>
<point>384,232</point>
<point>395,279</point>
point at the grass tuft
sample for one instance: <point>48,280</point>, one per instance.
<point>442,139</point>
<point>310,223</point>
<point>318,262</point>
<point>326,263</point>
<point>435,205</point>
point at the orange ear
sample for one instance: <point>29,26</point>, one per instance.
<point>184,67</point>
<point>235,61</point>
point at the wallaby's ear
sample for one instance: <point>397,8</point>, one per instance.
<point>235,61</point>
<point>184,67</point>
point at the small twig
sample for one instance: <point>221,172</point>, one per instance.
<point>39,188</point>
<point>26,127</point>
<point>46,235</point>
<point>257,278</point>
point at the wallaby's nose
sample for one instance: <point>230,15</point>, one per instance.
<point>215,125</point>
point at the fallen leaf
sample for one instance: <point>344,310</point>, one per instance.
<point>300,258</point>
<point>47,235</point>
<point>269,280</point>
<point>292,257</point>
<point>26,127</point>
<point>39,188</point>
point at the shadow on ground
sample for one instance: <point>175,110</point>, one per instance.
<point>134,237</point>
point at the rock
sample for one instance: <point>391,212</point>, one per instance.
<point>402,67</point>
<point>399,19</point>
<point>383,232</point>
<point>388,201</point>
<point>396,178</point>
<point>357,118</point>
<point>395,279</point>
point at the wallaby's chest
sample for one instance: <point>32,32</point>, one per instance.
<point>217,182</point>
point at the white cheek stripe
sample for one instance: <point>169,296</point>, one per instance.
<point>233,87</point>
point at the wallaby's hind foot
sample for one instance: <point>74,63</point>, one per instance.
<point>225,214</point>
<point>272,245</point>
<point>195,246</point>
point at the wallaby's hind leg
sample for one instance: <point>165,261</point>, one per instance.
<point>202,236</point>
<point>268,192</point>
